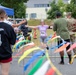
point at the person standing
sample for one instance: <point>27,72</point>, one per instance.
<point>7,38</point>
<point>43,35</point>
<point>24,29</point>
<point>72,28</point>
<point>60,27</point>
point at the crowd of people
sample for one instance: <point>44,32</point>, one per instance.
<point>62,26</point>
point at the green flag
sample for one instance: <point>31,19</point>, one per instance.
<point>36,66</point>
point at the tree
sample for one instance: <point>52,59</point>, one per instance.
<point>17,5</point>
<point>73,1</point>
<point>20,11</point>
<point>61,5</point>
<point>54,8</point>
<point>72,8</point>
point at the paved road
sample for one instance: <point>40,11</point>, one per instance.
<point>17,69</point>
<point>65,69</point>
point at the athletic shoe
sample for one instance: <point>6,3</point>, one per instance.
<point>61,63</point>
<point>47,48</point>
<point>70,62</point>
<point>43,54</point>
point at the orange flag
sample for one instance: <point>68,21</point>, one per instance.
<point>62,48</point>
<point>51,71</point>
<point>54,35</point>
<point>24,49</point>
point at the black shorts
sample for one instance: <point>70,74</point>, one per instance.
<point>68,40</point>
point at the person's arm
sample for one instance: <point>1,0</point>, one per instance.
<point>16,25</point>
<point>11,35</point>
<point>31,26</point>
<point>54,27</point>
<point>50,27</point>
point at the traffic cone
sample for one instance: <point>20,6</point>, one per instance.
<point>35,34</point>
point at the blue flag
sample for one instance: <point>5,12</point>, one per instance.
<point>34,57</point>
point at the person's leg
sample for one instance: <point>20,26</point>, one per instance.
<point>45,43</point>
<point>62,57</point>
<point>5,68</point>
<point>61,54</point>
<point>72,38</point>
<point>68,53</point>
<point>41,42</point>
<point>73,41</point>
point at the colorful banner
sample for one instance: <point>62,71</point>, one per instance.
<point>72,47</point>
<point>62,48</point>
<point>37,66</point>
<point>43,69</point>
<point>31,60</point>
<point>51,64</point>
<point>27,53</point>
<point>24,49</point>
<point>51,71</point>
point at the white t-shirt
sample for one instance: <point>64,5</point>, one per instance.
<point>8,22</point>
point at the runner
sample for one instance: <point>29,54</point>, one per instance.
<point>43,35</point>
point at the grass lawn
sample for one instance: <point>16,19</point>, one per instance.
<point>37,41</point>
<point>35,22</point>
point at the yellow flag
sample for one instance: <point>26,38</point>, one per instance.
<point>28,52</point>
<point>55,38</point>
<point>15,45</point>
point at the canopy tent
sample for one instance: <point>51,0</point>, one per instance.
<point>9,11</point>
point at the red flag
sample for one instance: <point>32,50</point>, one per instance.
<point>51,71</point>
<point>54,35</point>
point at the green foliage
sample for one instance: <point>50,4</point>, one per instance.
<point>72,8</point>
<point>74,11</point>
<point>54,8</point>
<point>17,5</point>
<point>69,7</point>
<point>61,5</point>
<point>53,3</point>
<point>73,1</point>
<point>20,10</point>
